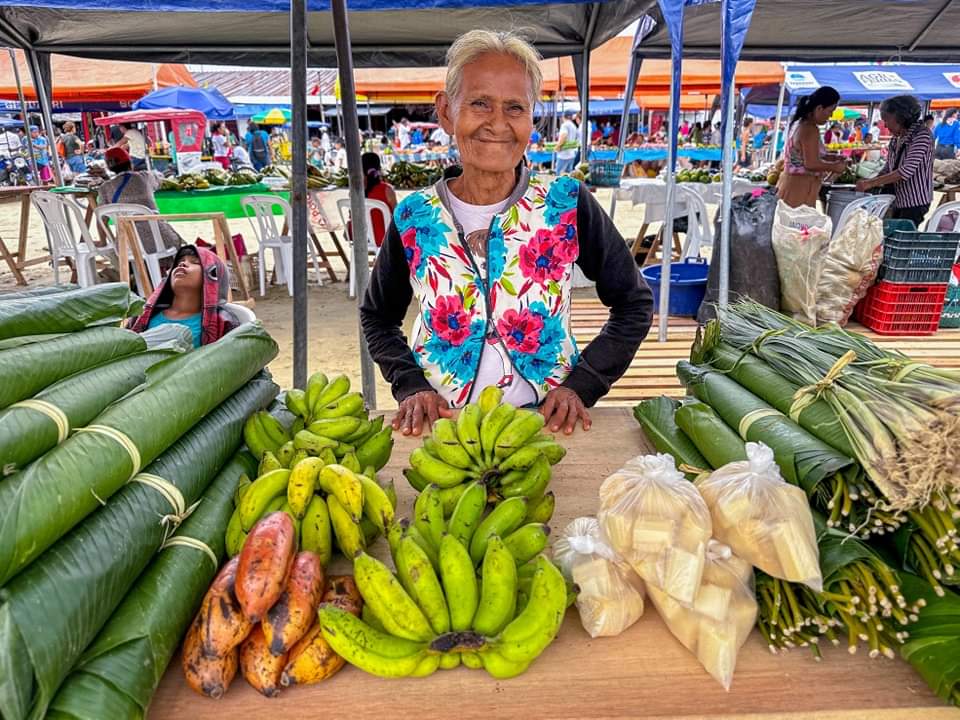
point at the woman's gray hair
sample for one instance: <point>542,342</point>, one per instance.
<point>469,46</point>
<point>905,108</point>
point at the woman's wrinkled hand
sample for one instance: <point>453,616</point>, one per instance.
<point>863,185</point>
<point>426,405</point>
<point>562,408</point>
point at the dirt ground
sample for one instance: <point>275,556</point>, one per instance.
<point>333,328</point>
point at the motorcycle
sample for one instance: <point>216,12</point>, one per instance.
<point>15,170</point>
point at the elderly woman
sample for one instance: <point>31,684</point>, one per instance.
<point>489,255</point>
<point>909,168</point>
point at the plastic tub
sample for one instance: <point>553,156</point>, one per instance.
<point>837,200</point>
<point>688,284</point>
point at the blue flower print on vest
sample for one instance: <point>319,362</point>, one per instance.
<point>561,196</point>
<point>421,229</point>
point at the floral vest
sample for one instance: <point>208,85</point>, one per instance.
<point>517,302</point>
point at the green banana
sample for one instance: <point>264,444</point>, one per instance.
<point>272,427</point>
<point>450,496</point>
<point>259,495</point>
<point>316,533</point>
<point>336,428</point>
<point>376,504</point>
<point>376,449</point>
<point>388,487</point>
<point>275,505</point>
<point>267,463</point>
<point>417,481</point>
<point>541,511</point>
<point>467,513</point>
<point>394,535</point>
<point>448,444</point>
<point>312,443</point>
<point>361,433</point>
<point>345,485</point>
<point>350,538</point>
<point>428,666</point>
<point>296,402</point>
<point>435,470</point>
<point>492,425</point>
<point>315,385</point>
<point>534,483</point>
<point>490,397</point>
<point>428,515</point>
<point>527,542</point>
<point>498,589</point>
<point>527,455</point>
<point>459,583</point>
<point>525,424</point>
<point>370,531</point>
<point>256,439</point>
<point>285,507</point>
<point>388,600</point>
<point>242,486</point>
<point>328,456</point>
<point>332,391</point>
<point>430,445</point>
<point>425,545</point>
<point>421,582</point>
<point>298,425</point>
<point>511,477</point>
<point>235,536</point>
<point>501,668</point>
<point>376,425</point>
<point>366,614</point>
<point>349,404</point>
<point>370,650</point>
<point>351,463</point>
<point>526,636</point>
<point>468,431</point>
<point>471,660</point>
<point>503,520</point>
<point>285,453</point>
<point>449,661</point>
<point>298,455</point>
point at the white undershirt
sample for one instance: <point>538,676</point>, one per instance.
<point>494,363</point>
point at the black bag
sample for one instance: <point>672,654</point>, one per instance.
<point>753,265</point>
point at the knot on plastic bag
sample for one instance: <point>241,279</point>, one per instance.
<point>590,545</point>
<point>658,467</point>
<point>759,457</point>
<point>716,550</point>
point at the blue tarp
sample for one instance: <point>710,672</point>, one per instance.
<point>631,154</point>
<point>867,83</point>
<point>209,101</point>
<point>597,107</point>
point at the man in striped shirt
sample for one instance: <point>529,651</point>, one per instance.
<point>909,167</point>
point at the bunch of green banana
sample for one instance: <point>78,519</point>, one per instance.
<point>333,504</point>
<point>264,433</point>
<point>328,415</point>
<point>423,619</point>
<point>490,442</point>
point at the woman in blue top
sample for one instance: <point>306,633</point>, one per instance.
<point>947,135</point>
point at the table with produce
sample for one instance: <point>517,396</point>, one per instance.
<point>208,546</point>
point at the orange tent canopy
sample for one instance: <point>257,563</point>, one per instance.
<point>689,102</point>
<point>82,80</point>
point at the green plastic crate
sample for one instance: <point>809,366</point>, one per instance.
<point>950,317</point>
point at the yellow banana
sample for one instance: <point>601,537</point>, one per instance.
<point>311,660</point>
<point>315,385</point>
<point>235,535</point>
<point>524,425</point>
<point>421,582</point>
<point>428,666</point>
<point>259,495</point>
<point>498,589</point>
<point>349,536</point>
<point>467,513</point>
<point>376,504</point>
<point>490,397</point>
<point>316,533</point>
<point>345,485</point>
<point>449,661</point>
<point>527,455</point>
<point>428,515</point>
<point>468,431</point>
<point>285,507</point>
<point>388,600</point>
<point>499,667</point>
<point>375,450</point>
<point>459,583</point>
<point>366,614</point>
<point>394,535</point>
<point>370,650</point>
<point>435,470</point>
<point>527,542</point>
<point>314,444</point>
<point>471,660</point>
<point>448,444</point>
<point>296,402</point>
<point>272,427</point>
<point>242,486</point>
<point>285,453</point>
<point>335,389</point>
<point>534,483</point>
<point>335,428</point>
<point>540,511</point>
<point>267,463</point>
<point>492,425</point>
<point>426,545</point>
<point>349,404</point>
<point>503,520</point>
<point>303,480</point>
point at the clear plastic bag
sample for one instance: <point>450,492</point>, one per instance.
<point>849,268</point>
<point>611,594</point>
<point>657,521</point>
<point>764,519</point>
<point>722,616</point>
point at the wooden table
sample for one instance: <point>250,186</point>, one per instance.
<point>950,193</point>
<point>17,261</point>
<point>644,672</point>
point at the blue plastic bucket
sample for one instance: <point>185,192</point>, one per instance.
<point>688,284</point>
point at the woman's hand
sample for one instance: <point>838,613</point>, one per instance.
<point>562,408</point>
<point>425,405</point>
<point>864,185</point>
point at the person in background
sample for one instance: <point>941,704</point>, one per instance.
<point>9,143</point>
<point>760,137</point>
<point>685,129</point>
<point>947,136</point>
<point>929,120</point>
<point>403,134</point>
<point>439,137</point>
<point>716,137</point>
<point>240,158</point>
<point>696,134</point>
<point>337,158</point>
<point>41,153</point>
<point>805,159</point>
<point>568,140</point>
<point>194,295</point>
<point>376,188</point>
<point>133,142</point>
<point>416,137</point>
<point>832,134</point>
<point>257,143</point>
<point>746,143</point>
<point>607,131</point>
<point>875,130</point>
<point>315,152</point>
<point>221,145</point>
<point>909,167</point>
<point>845,131</point>
<point>73,148</point>
<point>535,137</point>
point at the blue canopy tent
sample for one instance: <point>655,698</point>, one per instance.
<point>867,83</point>
<point>6,122</point>
<point>209,101</point>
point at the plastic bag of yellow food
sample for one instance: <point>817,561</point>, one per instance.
<point>849,267</point>
<point>610,597</point>
<point>657,522</point>
<point>721,617</point>
<point>800,238</point>
<point>764,520</point>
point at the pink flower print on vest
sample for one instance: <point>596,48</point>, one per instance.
<point>449,320</point>
<point>521,330</point>
<point>542,258</point>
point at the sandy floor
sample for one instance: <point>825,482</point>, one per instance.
<point>333,329</point>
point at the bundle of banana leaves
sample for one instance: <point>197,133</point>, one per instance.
<point>45,311</point>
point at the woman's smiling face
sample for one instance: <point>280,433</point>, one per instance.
<point>492,115</point>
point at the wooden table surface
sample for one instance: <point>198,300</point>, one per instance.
<point>644,672</point>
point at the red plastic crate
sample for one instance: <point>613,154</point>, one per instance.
<point>902,308</point>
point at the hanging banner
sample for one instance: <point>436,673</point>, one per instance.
<point>882,80</point>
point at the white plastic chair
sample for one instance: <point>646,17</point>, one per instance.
<point>59,214</point>
<point>949,210</point>
<point>699,231</point>
<point>372,206</point>
<point>876,205</point>
<point>241,312</point>
<point>264,224</point>
<point>107,219</point>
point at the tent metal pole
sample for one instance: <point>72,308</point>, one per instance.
<point>726,198</point>
<point>666,234</point>
<point>776,124</point>
<point>23,110</point>
<point>585,80</point>
<point>298,186</point>
<point>42,95</point>
<point>358,214</point>
<point>933,21</point>
<point>633,70</point>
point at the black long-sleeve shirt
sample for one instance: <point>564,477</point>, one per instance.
<point>603,258</point>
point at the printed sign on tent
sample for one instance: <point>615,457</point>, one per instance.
<point>953,78</point>
<point>882,80</point>
<point>801,80</point>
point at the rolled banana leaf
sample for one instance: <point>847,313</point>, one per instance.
<point>68,311</point>
<point>933,647</point>
<point>657,418</point>
<point>710,434</point>
<point>31,427</point>
<point>803,459</point>
<point>52,611</point>
<point>51,495</point>
<point>28,340</point>
<point>38,291</point>
<point>117,675</point>
<point>28,369</point>
<point>763,381</point>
